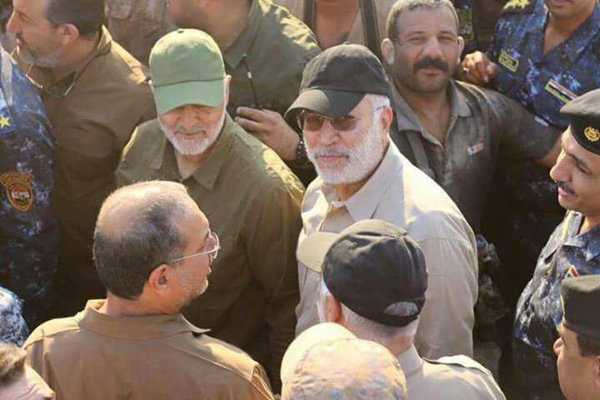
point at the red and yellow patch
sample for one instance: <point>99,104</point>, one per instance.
<point>18,189</point>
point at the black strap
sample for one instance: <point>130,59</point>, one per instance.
<point>369,17</point>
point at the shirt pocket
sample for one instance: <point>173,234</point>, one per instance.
<point>119,9</point>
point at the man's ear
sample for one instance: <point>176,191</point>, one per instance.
<point>333,309</point>
<point>68,33</point>
<point>388,51</point>
<point>461,47</point>
<point>596,376</point>
<point>159,279</point>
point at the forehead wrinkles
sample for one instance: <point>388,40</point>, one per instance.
<point>427,20</point>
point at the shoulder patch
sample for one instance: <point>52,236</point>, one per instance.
<point>519,7</point>
<point>17,186</point>
<point>461,361</point>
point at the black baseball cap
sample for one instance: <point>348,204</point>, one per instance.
<point>580,299</point>
<point>372,267</point>
<point>584,117</point>
<point>335,81</point>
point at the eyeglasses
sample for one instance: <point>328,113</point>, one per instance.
<point>310,121</point>
<point>211,248</point>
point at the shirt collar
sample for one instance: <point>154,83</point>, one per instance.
<point>410,361</point>
<point>588,242</point>
<point>208,169</point>
<point>407,119</point>
<point>362,204</point>
<point>240,48</point>
<point>133,327</point>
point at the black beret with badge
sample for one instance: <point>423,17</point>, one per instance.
<point>584,117</point>
<point>580,298</point>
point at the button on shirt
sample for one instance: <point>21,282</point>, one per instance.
<point>399,193</point>
<point>93,111</point>
<point>267,59</point>
<point>95,356</point>
<point>484,126</point>
<point>539,311</point>
<point>457,378</point>
<point>543,83</point>
<point>252,201</point>
<point>28,229</point>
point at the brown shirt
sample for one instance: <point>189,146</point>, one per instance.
<point>93,111</point>
<point>252,201</point>
<point>95,356</point>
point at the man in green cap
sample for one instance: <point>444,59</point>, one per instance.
<point>578,347</point>
<point>265,50</point>
<point>249,195</point>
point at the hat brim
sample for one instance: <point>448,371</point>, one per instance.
<point>312,250</point>
<point>202,93</point>
<point>332,103</point>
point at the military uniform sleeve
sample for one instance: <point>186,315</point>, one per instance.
<point>446,321</point>
<point>271,244</point>
<point>524,136</point>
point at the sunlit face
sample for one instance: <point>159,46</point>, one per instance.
<point>37,40</point>
<point>577,172</point>
<point>575,373</point>
<point>567,9</point>
<point>193,273</point>
<point>193,129</point>
<point>30,386</point>
<point>426,50</point>
<point>348,156</point>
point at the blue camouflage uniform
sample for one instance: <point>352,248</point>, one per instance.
<point>539,310</point>
<point>13,328</point>
<point>542,83</point>
<point>28,230</point>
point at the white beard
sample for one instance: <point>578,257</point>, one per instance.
<point>197,145</point>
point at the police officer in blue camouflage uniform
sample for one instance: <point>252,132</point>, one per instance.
<point>13,328</point>
<point>28,231</point>
<point>572,250</point>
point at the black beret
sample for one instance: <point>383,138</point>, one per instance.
<point>581,304</point>
<point>584,117</point>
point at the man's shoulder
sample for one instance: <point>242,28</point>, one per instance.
<point>291,37</point>
<point>55,330</point>
<point>144,146</point>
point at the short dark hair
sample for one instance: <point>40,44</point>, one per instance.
<point>86,15</point>
<point>403,5</point>
<point>12,363</point>
<point>588,346</point>
<point>125,260</point>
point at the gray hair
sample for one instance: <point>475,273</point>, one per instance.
<point>409,5</point>
<point>137,230</point>
<point>367,329</point>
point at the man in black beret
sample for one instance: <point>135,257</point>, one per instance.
<point>572,250</point>
<point>578,347</point>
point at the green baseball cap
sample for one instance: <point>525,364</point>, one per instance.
<point>187,68</point>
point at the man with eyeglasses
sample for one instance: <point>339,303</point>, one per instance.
<point>95,94</point>
<point>153,250</point>
<point>362,176</point>
<point>251,197</point>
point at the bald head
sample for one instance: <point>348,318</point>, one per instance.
<point>137,229</point>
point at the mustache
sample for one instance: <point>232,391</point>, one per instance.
<point>180,130</point>
<point>426,62</point>
<point>566,188</point>
<point>334,151</point>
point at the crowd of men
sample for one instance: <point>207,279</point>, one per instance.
<point>300,199</point>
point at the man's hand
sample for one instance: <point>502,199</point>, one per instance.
<point>270,127</point>
<point>477,68</point>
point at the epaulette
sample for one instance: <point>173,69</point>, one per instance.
<point>519,7</point>
<point>460,361</point>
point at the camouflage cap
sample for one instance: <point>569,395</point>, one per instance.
<point>328,362</point>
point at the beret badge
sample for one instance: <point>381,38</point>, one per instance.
<point>592,134</point>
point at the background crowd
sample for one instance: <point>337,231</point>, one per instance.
<point>300,199</point>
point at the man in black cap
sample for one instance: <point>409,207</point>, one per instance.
<point>346,126</point>
<point>578,347</point>
<point>374,285</point>
<point>572,250</point>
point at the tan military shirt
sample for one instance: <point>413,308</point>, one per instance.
<point>357,31</point>
<point>449,378</point>
<point>267,59</point>
<point>252,201</point>
<point>94,356</point>
<point>93,110</point>
<point>137,24</point>
<point>401,194</point>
